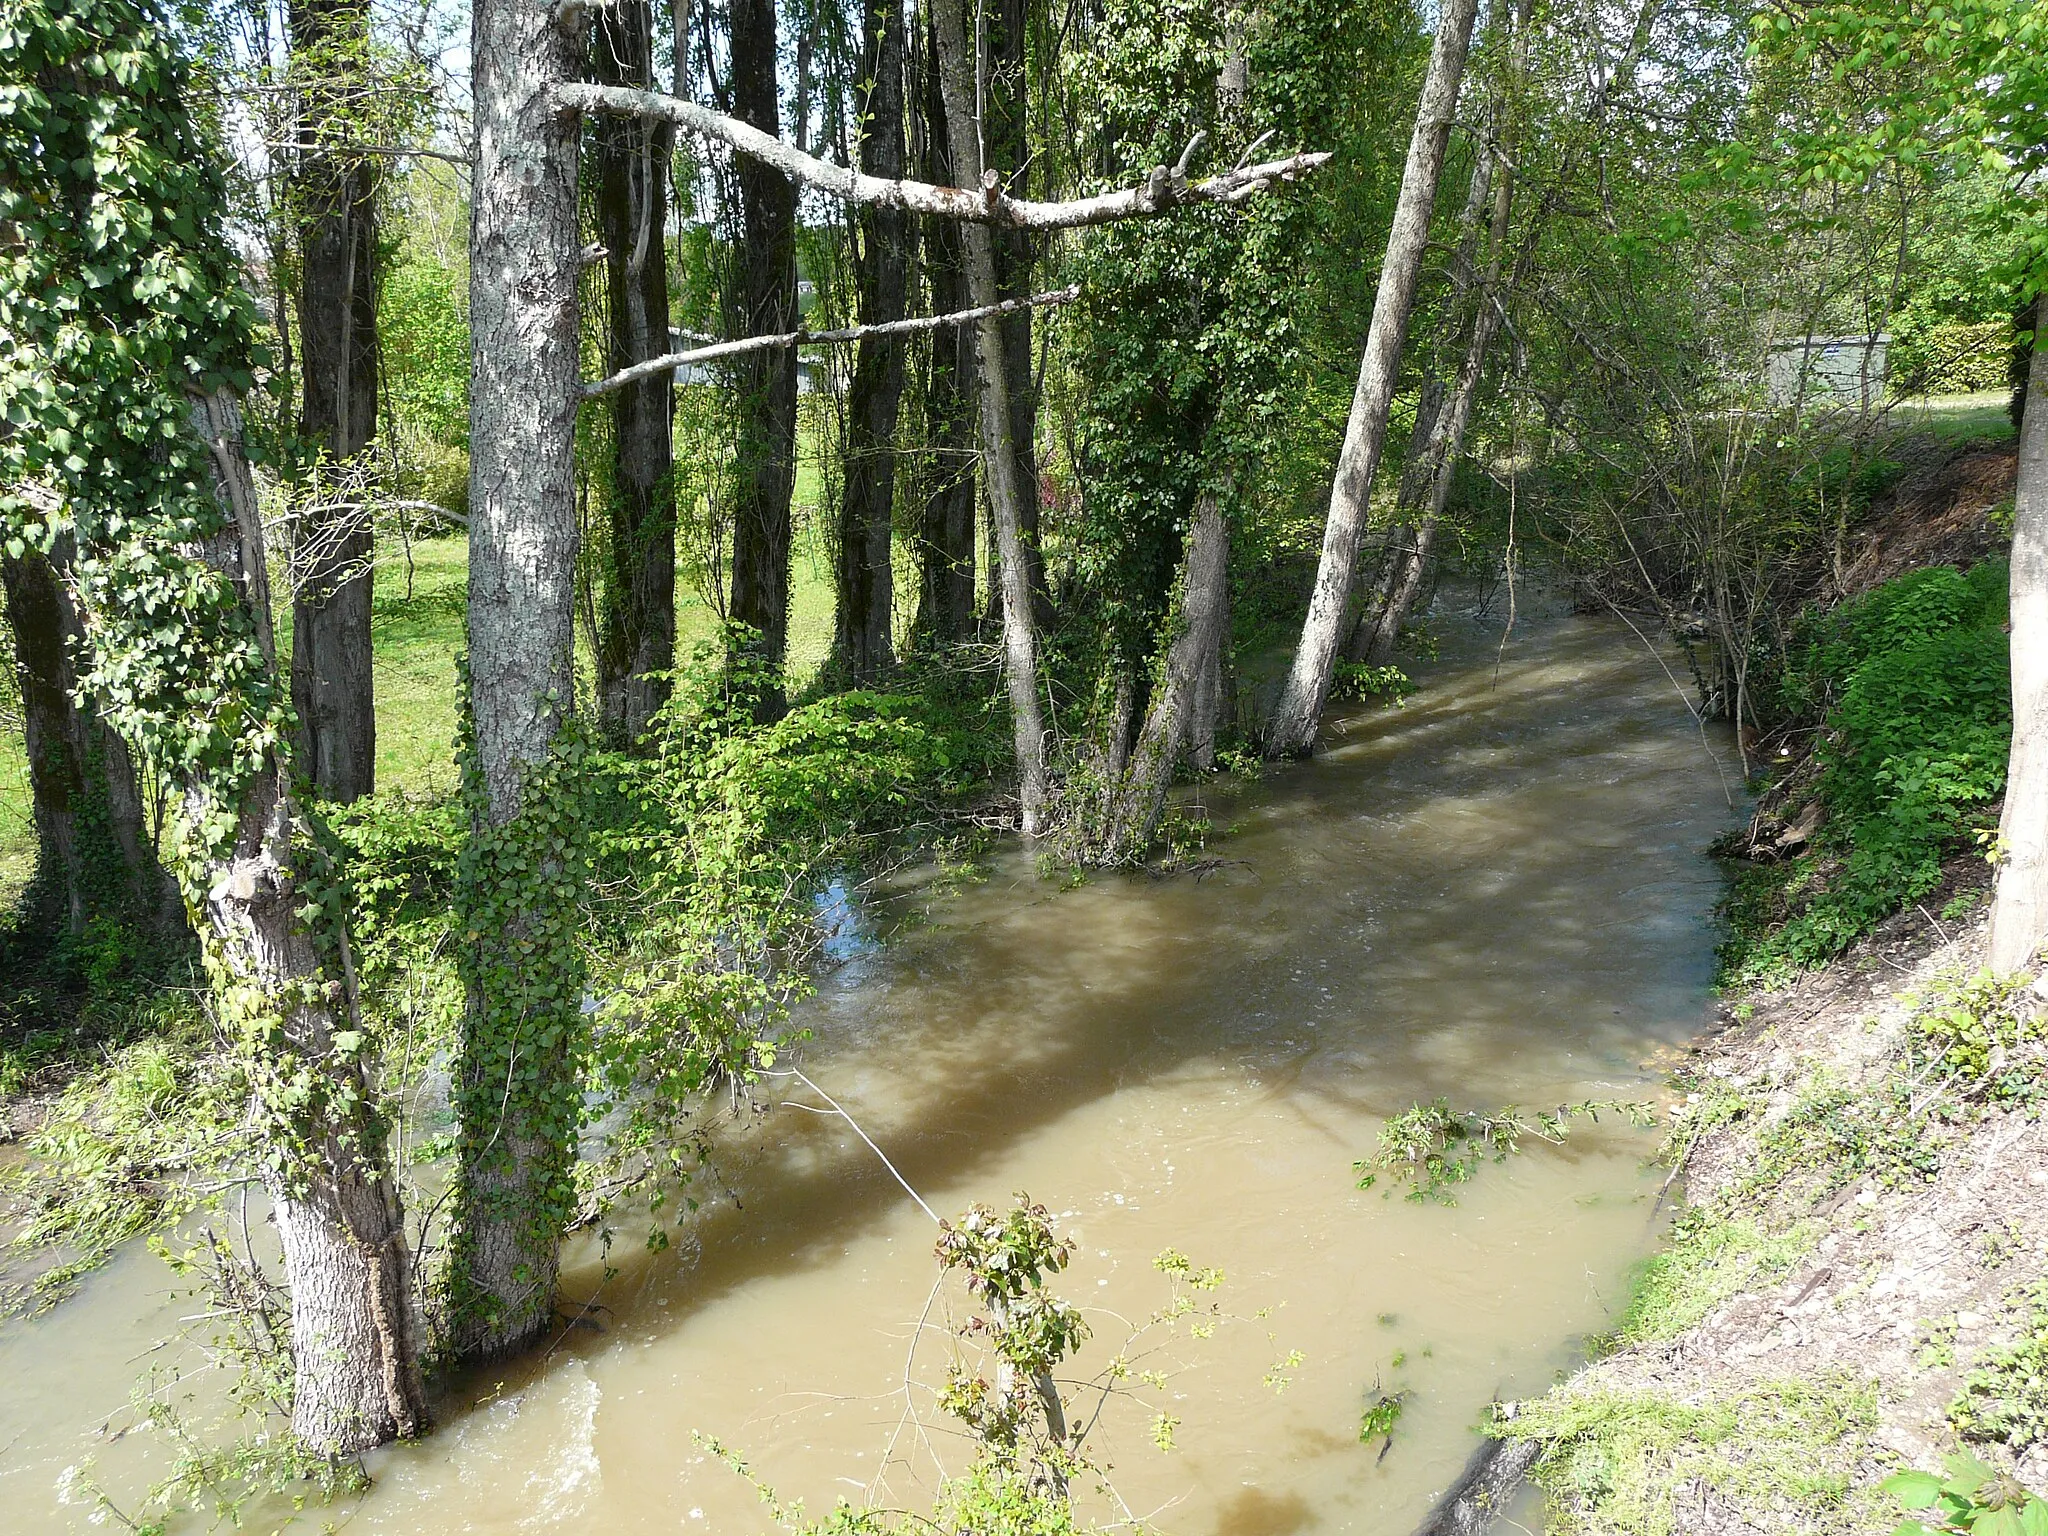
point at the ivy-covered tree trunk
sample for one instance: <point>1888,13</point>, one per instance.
<point>999,463</point>
<point>637,628</point>
<point>764,383</point>
<point>1181,700</point>
<point>862,642</point>
<point>520,885</point>
<point>1292,731</point>
<point>121,289</point>
<point>333,690</point>
<point>95,848</point>
<point>2019,915</point>
<point>945,607</point>
<point>277,951</point>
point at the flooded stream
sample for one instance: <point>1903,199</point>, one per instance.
<point>1494,893</point>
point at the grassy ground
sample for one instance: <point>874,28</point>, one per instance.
<point>1961,418</point>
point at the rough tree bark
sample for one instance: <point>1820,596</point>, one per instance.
<point>332,688</point>
<point>637,626</point>
<point>1182,705</point>
<point>355,1331</point>
<point>764,298</point>
<point>96,855</point>
<point>2019,914</point>
<point>999,463</point>
<point>945,607</point>
<point>524,261</point>
<point>1292,731</point>
<point>862,645</point>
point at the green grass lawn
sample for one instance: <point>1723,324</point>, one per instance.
<point>1960,418</point>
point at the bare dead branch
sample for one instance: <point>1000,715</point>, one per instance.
<point>673,360</point>
<point>1166,188</point>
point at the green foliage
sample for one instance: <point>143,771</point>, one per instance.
<point>2004,1399</point>
<point>1970,1497</point>
<point>423,350</point>
<point>1914,682</point>
<point>1708,1257</point>
<point>1382,685</point>
<point>1436,1149</point>
<point>1784,1452</point>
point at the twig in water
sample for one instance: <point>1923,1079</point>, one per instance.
<point>863,1135</point>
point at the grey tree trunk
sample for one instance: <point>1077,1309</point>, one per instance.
<point>518,1062</point>
<point>863,643</point>
<point>2019,914</point>
<point>355,1329</point>
<point>637,626</point>
<point>1426,489</point>
<point>1292,731</point>
<point>1182,704</point>
<point>96,854</point>
<point>765,300</point>
<point>999,463</point>
<point>1006,138</point>
<point>945,610</point>
<point>333,691</point>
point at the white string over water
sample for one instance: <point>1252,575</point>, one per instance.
<point>894,1172</point>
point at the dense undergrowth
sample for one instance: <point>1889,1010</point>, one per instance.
<point>1908,692</point>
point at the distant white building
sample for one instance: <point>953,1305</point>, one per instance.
<point>1835,370</point>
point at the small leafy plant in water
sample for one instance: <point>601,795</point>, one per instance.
<point>1436,1148</point>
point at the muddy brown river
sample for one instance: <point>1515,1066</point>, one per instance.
<point>1494,893</point>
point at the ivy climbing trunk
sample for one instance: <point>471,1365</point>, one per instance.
<point>95,848</point>
<point>945,608</point>
<point>764,383</point>
<point>865,581</point>
<point>1182,705</point>
<point>520,883</point>
<point>2019,914</point>
<point>278,958</point>
<point>998,456</point>
<point>333,552</point>
<point>1292,730</point>
<point>636,642</point>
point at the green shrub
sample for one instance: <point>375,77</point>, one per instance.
<point>1912,681</point>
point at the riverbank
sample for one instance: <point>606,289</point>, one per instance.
<point>1855,1280</point>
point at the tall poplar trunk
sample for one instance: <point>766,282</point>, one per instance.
<point>2019,914</point>
<point>516,1093</point>
<point>945,610</point>
<point>1006,132</point>
<point>862,644</point>
<point>355,1329</point>
<point>1292,731</point>
<point>999,464</point>
<point>636,641</point>
<point>332,688</point>
<point>1183,705</point>
<point>765,300</point>
<point>95,851</point>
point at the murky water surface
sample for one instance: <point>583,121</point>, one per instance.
<point>1495,893</point>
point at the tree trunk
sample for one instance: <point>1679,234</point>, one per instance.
<point>1006,135</point>
<point>517,1090</point>
<point>1183,698</point>
<point>2019,915</point>
<point>96,855</point>
<point>862,645</point>
<point>1292,731</point>
<point>355,1331</point>
<point>764,382</point>
<point>637,627</point>
<point>333,554</point>
<point>945,611</point>
<point>999,464</point>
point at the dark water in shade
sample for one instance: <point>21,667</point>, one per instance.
<point>1494,893</point>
